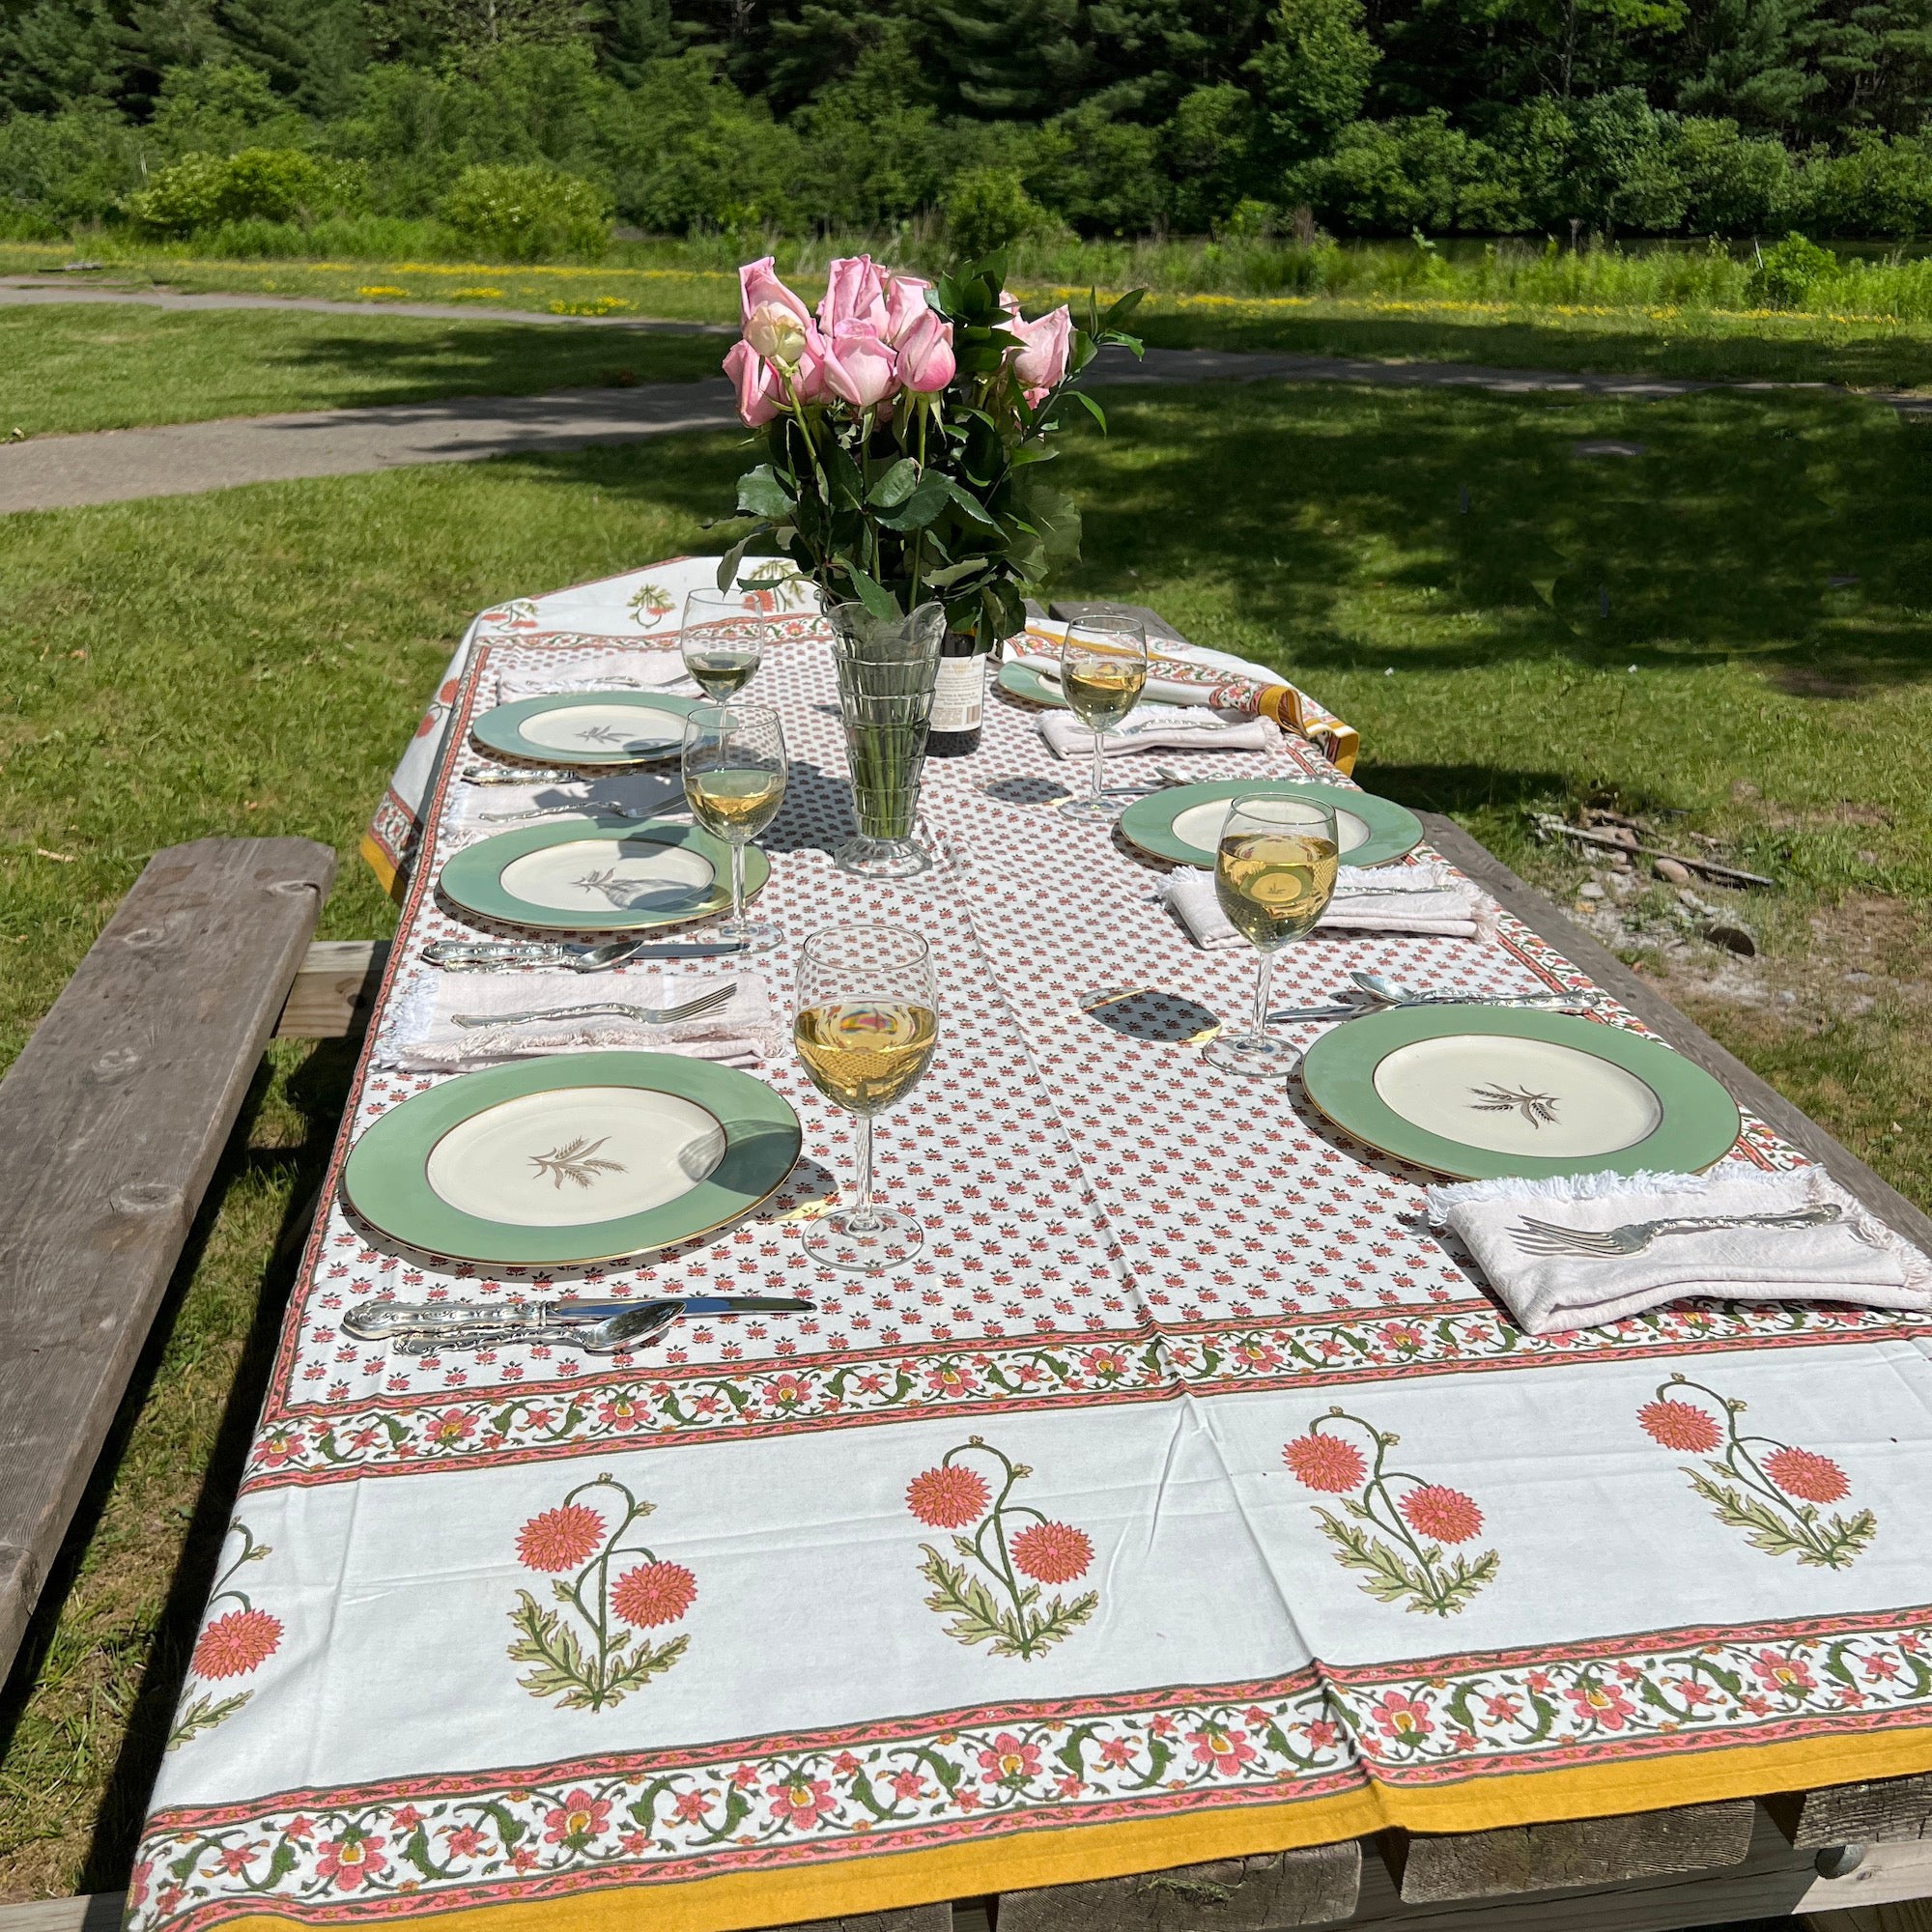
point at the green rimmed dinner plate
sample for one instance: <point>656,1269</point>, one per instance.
<point>1023,681</point>
<point>587,728</point>
<point>1481,1093</point>
<point>576,1158</point>
<point>1182,824</point>
<point>581,875</point>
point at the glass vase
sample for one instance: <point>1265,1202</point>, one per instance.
<point>887,670</point>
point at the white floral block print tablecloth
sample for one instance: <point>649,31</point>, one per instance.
<point>1185,1497</point>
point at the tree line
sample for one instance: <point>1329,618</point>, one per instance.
<point>1106,117</point>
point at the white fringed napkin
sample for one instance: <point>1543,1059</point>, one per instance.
<point>1854,1259</point>
<point>1427,899</point>
<point>1148,730</point>
<point>421,1033</point>
<point>608,670</point>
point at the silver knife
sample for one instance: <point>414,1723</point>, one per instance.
<point>458,953</point>
<point>371,1321</point>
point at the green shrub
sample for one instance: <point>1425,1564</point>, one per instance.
<point>1417,172</point>
<point>989,209</point>
<point>527,214</point>
<point>1787,274</point>
<point>202,191</point>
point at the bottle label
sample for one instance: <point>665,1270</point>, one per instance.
<point>959,697</point>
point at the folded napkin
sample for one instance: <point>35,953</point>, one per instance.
<point>1148,730</point>
<point>1851,1258</point>
<point>1426,897</point>
<point>421,1033</point>
<point>469,816</point>
<point>645,668</point>
<point>1182,681</point>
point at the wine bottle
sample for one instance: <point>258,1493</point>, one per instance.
<point>959,699</point>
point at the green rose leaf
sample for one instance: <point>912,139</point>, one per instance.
<point>760,494</point>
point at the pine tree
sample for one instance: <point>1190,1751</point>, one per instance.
<point>1011,59</point>
<point>311,50</point>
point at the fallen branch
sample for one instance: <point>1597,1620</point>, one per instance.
<point>1548,822</point>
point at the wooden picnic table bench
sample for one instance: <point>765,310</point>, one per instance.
<point>111,1126</point>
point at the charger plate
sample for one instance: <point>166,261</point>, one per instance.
<point>1182,824</point>
<point>1481,1093</point>
<point>587,728</point>
<point>577,875</point>
<point>575,1158</point>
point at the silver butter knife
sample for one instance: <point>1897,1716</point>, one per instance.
<point>372,1321</point>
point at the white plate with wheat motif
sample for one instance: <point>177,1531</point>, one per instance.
<point>573,1160</point>
<point>587,728</point>
<point>1485,1091</point>
<point>571,876</point>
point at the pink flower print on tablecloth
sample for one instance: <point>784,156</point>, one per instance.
<point>237,1643</point>
<point>1225,1753</point>
<point>800,1802</point>
<point>948,1498</point>
<point>577,1821</point>
<point>1405,1563</point>
<point>351,1859</point>
<point>1010,1761</point>
<point>982,1595</point>
<point>591,1650</point>
<point>1772,1490</point>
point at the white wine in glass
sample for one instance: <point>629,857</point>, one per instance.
<point>1104,669</point>
<point>723,642</point>
<point>1274,874</point>
<point>868,1023</point>
<point>734,781</point>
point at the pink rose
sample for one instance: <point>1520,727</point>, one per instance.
<point>758,389</point>
<point>859,366</point>
<point>757,285</point>
<point>807,379</point>
<point>855,291</point>
<point>926,354</point>
<point>905,304</point>
<point>1042,359</point>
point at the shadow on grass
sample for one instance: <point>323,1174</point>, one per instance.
<point>481,359</point>
<point>1721,542</point>
<point>1877,359</point>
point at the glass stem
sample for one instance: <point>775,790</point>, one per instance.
<point>1262,980</point>
<point>1093,797</point>
<point>862,1218</point>
<point>738,882</point>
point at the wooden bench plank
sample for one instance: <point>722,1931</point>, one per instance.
<point>111,1123</point>
<point>1314,1887</point>
<point>1067,609</point>
<point>1774,1879</point>
<point>1432,1868</point>
<point>334,989</point>
<point>1888,1812</point>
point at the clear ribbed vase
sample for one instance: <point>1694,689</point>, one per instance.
<point>887,670</point>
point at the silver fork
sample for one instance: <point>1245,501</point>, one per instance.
<point>691,1009</point>
<point>590,809</point>
<point>1549,1237</point>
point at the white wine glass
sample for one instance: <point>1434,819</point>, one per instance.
<point>1104,669</point>
<point>868,1023</point>
<point>723,642</point>
<point>1274,874</point>
<point>734,781</point>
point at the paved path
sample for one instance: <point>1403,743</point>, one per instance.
<point>114,466</point>
<point>37,292</point>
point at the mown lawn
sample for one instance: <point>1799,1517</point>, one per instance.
<point>1513,625</point>
<point>90,366</point>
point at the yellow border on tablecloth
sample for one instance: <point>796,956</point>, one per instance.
<point>379,861</point>
<point>844,1888</point>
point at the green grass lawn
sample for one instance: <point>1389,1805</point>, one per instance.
<point>1658,632</point>
<point>94,366</point>
<point>1423,323</point>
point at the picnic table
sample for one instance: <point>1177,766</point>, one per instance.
<point>1143,1284</point>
